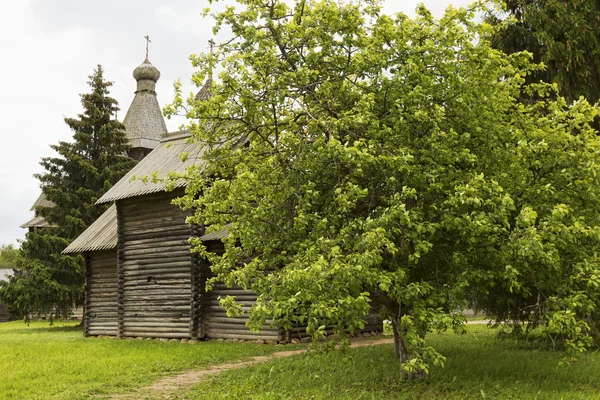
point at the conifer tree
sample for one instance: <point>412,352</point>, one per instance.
<point>47,281</point>
<point>564,35</point>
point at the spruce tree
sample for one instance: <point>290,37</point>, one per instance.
<point>47,281</point>
<point>563,35</point>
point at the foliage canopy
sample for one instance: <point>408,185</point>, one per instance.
<point>363,160</point>
<point>8,256</point>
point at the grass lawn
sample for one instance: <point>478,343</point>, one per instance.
<point>42,362</point>
<point>479,366</point>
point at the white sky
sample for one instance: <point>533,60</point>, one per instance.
<point>48,49</point>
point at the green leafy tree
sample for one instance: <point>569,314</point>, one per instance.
<point>47,281</point>
<point>564,35</point>
<point>362,160</point>
<point>8,256</point>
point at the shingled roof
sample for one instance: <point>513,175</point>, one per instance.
<point>217,235</point>
<point>205,91</point>
<point>160,162</point>
<point>144,122</point>
<point>41,201</point>
<point>36,222</point>
<point>101,235</point>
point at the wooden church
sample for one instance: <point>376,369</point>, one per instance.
<point>141,278</point>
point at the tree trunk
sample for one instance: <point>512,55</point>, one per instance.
<point>397,339</point>
<point>401,351</point>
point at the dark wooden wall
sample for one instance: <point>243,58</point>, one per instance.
<point>152,286</point>
<point>101,293</point>
<point>155,268</point>
<point>4,315</point>
<point>219,325</point>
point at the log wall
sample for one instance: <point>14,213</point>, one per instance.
<point>152,286</point>
<point>101,293</point>
<point>219,325</point>
<point>155,268</point>
<point>4,315</point>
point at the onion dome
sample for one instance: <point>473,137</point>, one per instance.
<point>146,71</point>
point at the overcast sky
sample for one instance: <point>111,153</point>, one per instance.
<point>48,49</point>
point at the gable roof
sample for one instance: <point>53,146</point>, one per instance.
<point>101,235</point>
<point>41,201</point>
<point>165,158</point>
<point>36,222</point>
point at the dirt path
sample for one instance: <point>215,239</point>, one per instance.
<point>169,387</point>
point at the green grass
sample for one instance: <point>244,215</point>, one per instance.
<point>478,366</point>
<point>42,362</point>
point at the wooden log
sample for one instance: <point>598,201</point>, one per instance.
<point>152,319</point>
<point>132,304</point>
<point>247,303</point>
<point>242,335</point>
<point>149,222</point>
<point>151,202</point>
<point>104,286</point>
<point>157,329</point>
<point>157,233</point>
<point>159,241</point>
<point>102,332</point>
<point>157,274</point>
<point>158,335</point>
<point>149,205</point>
<point>149,292</point>
<point>164,287</point>
<point>181,245</point>
<point>158,256</point>
<point>233,320</point>
<point>164,251</point>
<point>156,314</point>
<point>175,325</point>
<point>164,312</point>
<point>237,327</point>
<point>108,310</point>
<point>164,298</point>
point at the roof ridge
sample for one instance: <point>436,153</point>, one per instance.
<point>181,134</point>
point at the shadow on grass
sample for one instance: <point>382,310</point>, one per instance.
<point>35,327</point>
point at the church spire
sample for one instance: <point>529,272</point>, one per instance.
<point>205,91</point>
<point>144,122</point>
